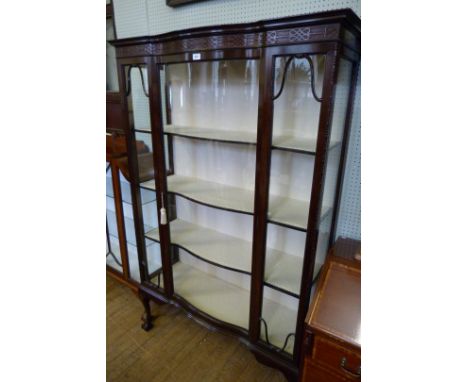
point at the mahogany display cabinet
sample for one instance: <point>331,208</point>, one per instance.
<point>248,127</point>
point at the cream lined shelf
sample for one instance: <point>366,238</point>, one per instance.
<point>289,212</point>
<point>232,136</point>
<point>210,245</point>
<point>299,144</point>
<point>230,303</point>
<point>282,142</point>
<point>211,193</point>
<point>282,270</point>
<point>292,213</point>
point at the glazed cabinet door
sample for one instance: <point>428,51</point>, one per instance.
<point>209,135</point>
<point>145,264</point>
<point>303,157</point>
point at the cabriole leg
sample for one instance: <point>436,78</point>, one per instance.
<point>147,318</point>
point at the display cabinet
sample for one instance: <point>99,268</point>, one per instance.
<point>247,126</point>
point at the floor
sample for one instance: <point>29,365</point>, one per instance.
<point>176,349</point>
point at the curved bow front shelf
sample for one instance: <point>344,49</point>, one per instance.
<point>230,303</point>
<point>288,212</point>
<point>282,271</point>
<point>281,142</point>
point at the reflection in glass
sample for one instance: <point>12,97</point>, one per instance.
<point>112,82</point>
<point>216,100</point>
<point>296,111</point>
<point>333,158</point>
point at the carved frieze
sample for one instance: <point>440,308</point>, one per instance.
<point>229,40</point>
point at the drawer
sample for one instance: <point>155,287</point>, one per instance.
<point>338,359</point>
<point>314,373</point>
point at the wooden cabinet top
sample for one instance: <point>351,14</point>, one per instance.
<point>336,307</point>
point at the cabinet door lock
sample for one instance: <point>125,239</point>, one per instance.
<point>162,211</point>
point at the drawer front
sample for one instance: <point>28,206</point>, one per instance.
<point>314,373</point>
<point>339,359</point>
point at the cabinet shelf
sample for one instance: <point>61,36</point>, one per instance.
<point>297,144</point>
<point>210,193</point>
<point>291,213</point>
<point>146,197</point>
<point>219,135</point>
<point>209,245</point>
<point>282,272</point>
<point>230,303</point>
<point>280,142</point>
<point>144,130</point>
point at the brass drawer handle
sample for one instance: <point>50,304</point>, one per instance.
<point>356,373</point>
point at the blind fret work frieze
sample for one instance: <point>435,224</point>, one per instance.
<point>229,41</point>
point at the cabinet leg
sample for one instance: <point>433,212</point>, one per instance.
<point>147,318</point>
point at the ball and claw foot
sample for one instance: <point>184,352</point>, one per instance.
<point>147,322</point>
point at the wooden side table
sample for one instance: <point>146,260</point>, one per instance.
<point>332,341</point>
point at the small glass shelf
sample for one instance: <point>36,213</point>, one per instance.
<point>129,227</point>
<point>146,197</point>
<point>152,253</point>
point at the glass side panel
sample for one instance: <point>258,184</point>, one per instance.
<point>297,93</point>
<point>113,250</point>
<point>139,118</point>
<point>210,115</point>
<point>334,154</point>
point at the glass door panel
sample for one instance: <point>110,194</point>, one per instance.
<point>297,102</point>
<point>139,121</point>
<point>210,129</point>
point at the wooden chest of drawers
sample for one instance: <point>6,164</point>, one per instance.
<point>332,344</point>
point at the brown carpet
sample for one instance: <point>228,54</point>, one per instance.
<point>176,349</point>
